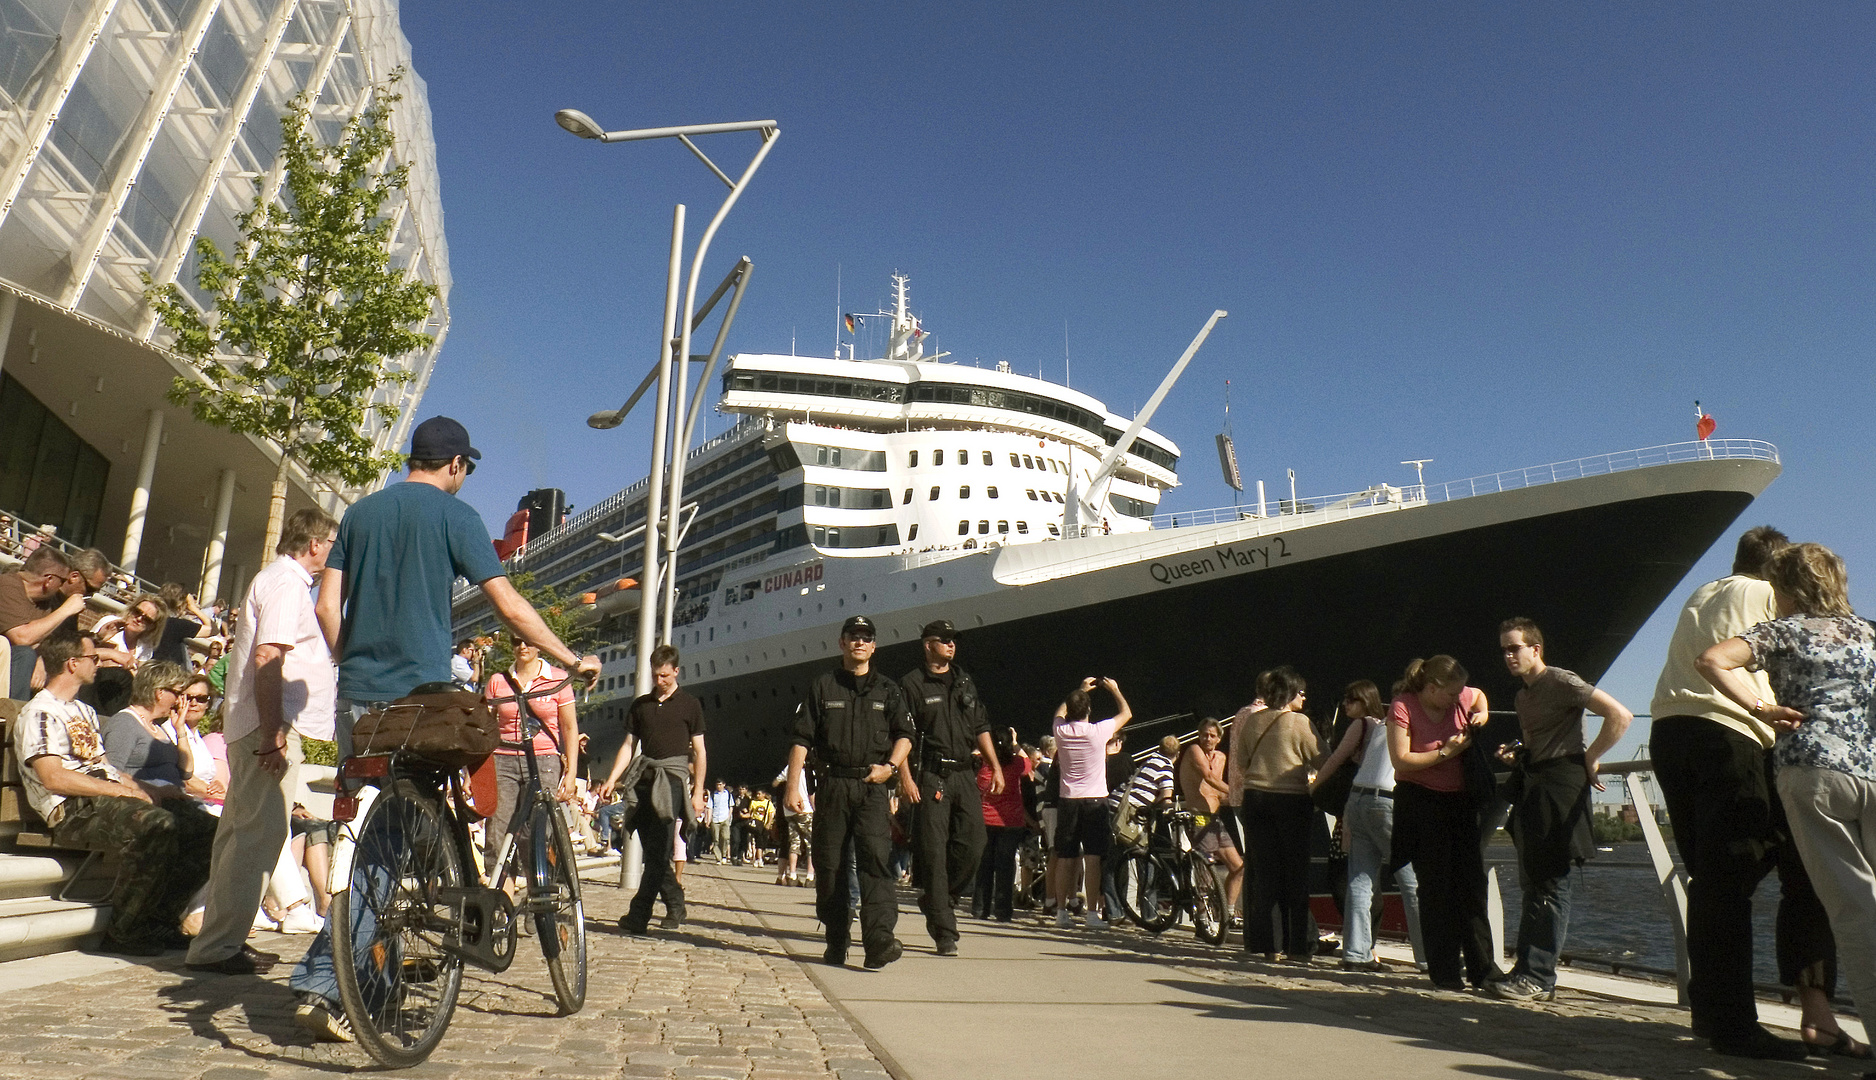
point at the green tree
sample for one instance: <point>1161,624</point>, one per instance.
<point>309,310</point>
<point>557,610</point>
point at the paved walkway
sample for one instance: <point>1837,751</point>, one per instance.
<point>739,994</point>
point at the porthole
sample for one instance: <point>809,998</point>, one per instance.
<point>983,526</point>
<point>862,598</point>
<point>964,457</point>
<point>964,528</point>
<point>941,583</point>
<point>991,491</point>
<point>964,491</point>
<point>933,497</point>
<point>1028,463</point>
<point>1003,526</point>
<point>937,457</point>
<point>988,459</point>
<point>1015,462</point>
<point>912,534</point>
<point>1031,492</point>
<point>912,460</point>
<point>907,498</point>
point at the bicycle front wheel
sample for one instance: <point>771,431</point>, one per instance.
<point>562,924</point>
<point>396,981</point>
<point>1210,919</point>
<point>1146,890</point>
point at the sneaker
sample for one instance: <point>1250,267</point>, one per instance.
<point>300,919</point>
<point>1522,988</point>
<point>323,1018</point>
<point>1063,921</point>
<point>1094,922</point>
<point>892,952</point>
<point>947,948</point>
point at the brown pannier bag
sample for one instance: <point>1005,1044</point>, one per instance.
<point>450,728</point>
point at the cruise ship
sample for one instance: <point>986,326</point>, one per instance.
<point>908,489</point>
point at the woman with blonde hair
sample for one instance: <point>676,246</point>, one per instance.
<point>1821,661</point>
<point>1436,821</point>
<point>1368,822</point>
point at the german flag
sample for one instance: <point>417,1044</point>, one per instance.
<point>849,324</point>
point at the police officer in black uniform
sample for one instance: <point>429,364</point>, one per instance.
<point>855,722</point>
<point>948,816</point>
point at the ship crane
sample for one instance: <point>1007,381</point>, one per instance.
<point>1085,501</point>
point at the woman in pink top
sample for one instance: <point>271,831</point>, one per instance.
<point>1006,823</point>
<point>555,752</point>
<point>1436,823</point>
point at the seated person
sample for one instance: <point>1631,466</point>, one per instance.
<point>135,739</point>
<point>163,835</point>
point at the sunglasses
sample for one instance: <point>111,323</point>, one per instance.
<point>201,698</point>
<point>863,638</point>
<point>942,639</point>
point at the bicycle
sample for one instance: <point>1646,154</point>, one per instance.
<point>1169,879</point>
<point>410,917</point>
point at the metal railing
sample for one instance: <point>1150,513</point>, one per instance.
<point>18,537</point>
<point>1388,497</point>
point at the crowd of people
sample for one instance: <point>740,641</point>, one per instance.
<point>1762,744</point>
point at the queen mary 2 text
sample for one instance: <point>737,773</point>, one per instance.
<point>1230,558</point>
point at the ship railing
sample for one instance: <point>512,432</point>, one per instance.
<point>1384,496</point>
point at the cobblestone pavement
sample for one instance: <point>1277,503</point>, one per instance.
<point>722,1000</point>
<point>716,1000</point>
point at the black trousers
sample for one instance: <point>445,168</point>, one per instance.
<point>853,812</point>
<point>655,840</point>
<point>1729,825</point>
<point>1450,863</point>
<point>1276,826</point>
<point>996,874</point>
<point>947,844</point>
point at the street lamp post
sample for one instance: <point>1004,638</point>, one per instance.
<point>660,590</point>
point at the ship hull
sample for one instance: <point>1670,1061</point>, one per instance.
<point>1590,564</point>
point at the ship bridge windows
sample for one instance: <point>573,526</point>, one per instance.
<point>992,398</point>
<point>856,536</point>
<point>1145,450</point>
<point>844,457</point>
<point>790,383</point>
<point>1131,507</point>
<point>846,497</point>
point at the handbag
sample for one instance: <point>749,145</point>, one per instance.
<point>1330,795</point>
<point>444,726</point>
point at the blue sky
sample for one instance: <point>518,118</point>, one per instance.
<point>1493,235</point>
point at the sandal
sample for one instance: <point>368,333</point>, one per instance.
<point>1836,1044</point>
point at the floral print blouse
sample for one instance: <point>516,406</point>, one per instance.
<point>1824,667</point>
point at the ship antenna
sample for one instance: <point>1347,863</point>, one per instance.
<point>836,311</point>
<point>1065,352</point>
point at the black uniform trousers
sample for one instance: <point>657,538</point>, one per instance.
<point>854,812</point>
<point>1729,825</point>
<point>947,844</point>
<point>655,840</point>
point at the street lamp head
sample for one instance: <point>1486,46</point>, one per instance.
<point>608,538</point>
<point>579,123</point>
<point>605,420</point>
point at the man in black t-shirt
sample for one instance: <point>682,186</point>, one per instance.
<point>662,762</point>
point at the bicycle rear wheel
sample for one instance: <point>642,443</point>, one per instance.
<point>396,982</point>
<point>562,925</point>
<point>1210,919</point>
<point>1147,891</point>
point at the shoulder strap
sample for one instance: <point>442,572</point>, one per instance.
<point>1263,735</point>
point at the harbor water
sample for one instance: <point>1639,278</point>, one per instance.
<point>1617,914</point>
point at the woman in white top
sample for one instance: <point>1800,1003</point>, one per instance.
<point>1368,823</point>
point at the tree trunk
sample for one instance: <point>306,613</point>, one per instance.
<point>276,513</point>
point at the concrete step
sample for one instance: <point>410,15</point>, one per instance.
<point>36,874</point>
<point>36,926</point>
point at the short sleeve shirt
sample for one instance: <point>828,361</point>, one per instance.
<point>132,749</point>
<point>1824,667</point>
<point>665,728</point>
<point>545,709</point>
<point>278,611</point>
<point>1427,732</point>
<point>401,550</point>
<point>16,608</point>
<point>1081,757</point>
<point>1550,714</point>
<point>66,730</point>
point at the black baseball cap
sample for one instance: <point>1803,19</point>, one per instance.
<point>440,439</point>
<point>939,628</point>
<point>857,622</point>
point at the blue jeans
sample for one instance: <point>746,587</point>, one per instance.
<point>606,821</point>
<point>1542,925</point>
<point>313,974</point>
<point>1369,827</point>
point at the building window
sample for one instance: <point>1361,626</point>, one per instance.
<point>988,460</point>
<point>964,491</point>
<point>1003,527</point>
<point>1021,527</point>
<point>964,528</point>
<point>937,457</point>
<point>912,460</point>
<point>912,534</point>
<point>991,491</point>
<point>908,497</point>
<point>934,493</point>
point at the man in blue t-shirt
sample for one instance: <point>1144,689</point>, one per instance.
<point>384,605</point>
